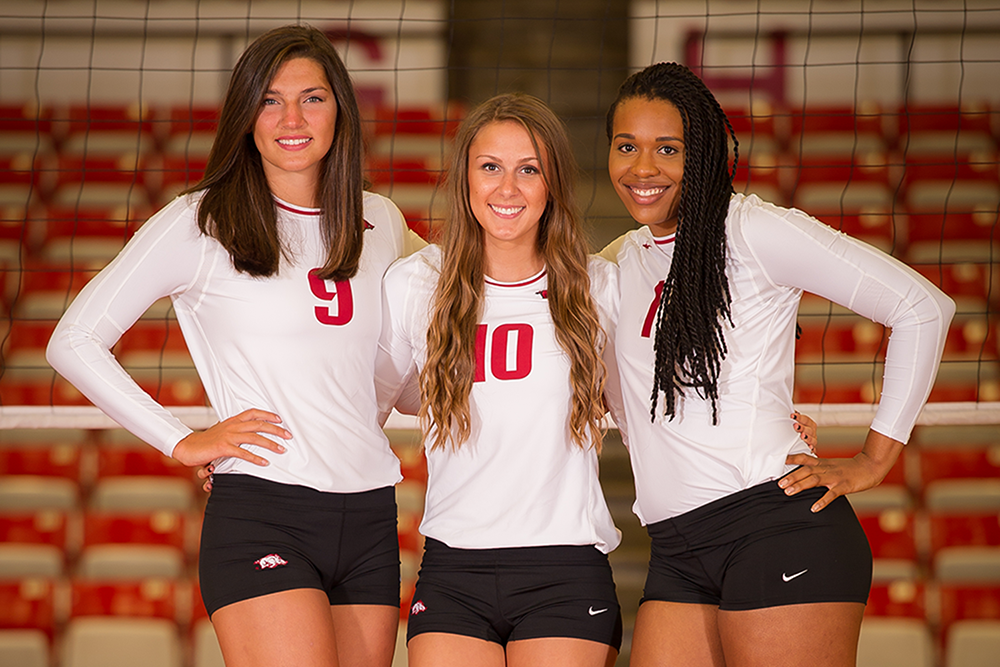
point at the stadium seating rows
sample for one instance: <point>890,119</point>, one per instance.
<point>923,183</point>
<point>99,536</point>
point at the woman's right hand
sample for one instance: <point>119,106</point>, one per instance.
<point>224,439</point>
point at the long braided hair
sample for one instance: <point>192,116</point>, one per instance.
<point>689,342</point>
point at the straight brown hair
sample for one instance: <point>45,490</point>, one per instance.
<point>237,208</point>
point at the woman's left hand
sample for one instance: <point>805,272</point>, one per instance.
<point>842,476</point>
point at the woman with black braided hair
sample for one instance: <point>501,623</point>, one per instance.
<point>743,560</point>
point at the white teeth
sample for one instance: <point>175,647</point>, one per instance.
<point>506,210</point>
<point>648,192</point>
<point>293,142</point>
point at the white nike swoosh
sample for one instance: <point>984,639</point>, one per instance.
<point>787,577</point>
<point>595,612</point>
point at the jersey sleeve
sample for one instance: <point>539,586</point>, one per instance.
<point>162,259</point>
<point>611,251</point>
<point>796,250</point>
<point>395,363</point>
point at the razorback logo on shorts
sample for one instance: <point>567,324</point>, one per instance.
<point>417,607</point>
<point>269,562</point>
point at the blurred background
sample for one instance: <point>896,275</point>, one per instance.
<point>881,118</point>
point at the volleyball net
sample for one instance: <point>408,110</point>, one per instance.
<point>880,118</point>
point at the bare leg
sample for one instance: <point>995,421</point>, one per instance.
<point>365,634</point>
<point>817,635</point>
<point>438,649</point>
<point>287,629</point>
<point>671,634</point>
<point>559,652</point>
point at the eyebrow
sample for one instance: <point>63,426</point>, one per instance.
<point>522,160</point>
<point>302,92</point>
<point>625,135</point>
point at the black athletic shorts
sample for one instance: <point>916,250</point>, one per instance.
<point>760,548</point>
<point>505,595</point>
<point>261,537</point>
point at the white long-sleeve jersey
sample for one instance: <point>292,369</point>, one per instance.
<point>774,254</point>
<point>292,344</point>
<point>519,480</point>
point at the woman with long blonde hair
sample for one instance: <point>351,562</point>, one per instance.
<point>503,327</point>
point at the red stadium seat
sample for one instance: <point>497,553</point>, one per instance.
<point>100,183</point>
<point>91,130</point>
<point>942,130</point>
<point>764,174</point>
<point>21,188</point>
<point>142,459</point>
<point>890,534</point>
<point>901,598</point>
<point>837,131</point>
<point>149,598</point>
<point>188,131</point>
<point>25,129</point>
<point>967,601</point>
<point>832,188</point>
<point>384,172</point>
<point>114,223</point>
<point>964,186</point>
<point>175,174</point>
<point>51,461</point>
<point>959,462</point>
<point>39,527</point>
<point>158,528</point>
<point>964,529</point>
<point>28,604</point>
<point>761,127</point>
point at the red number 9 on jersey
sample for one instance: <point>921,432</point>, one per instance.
<point>342,293</point>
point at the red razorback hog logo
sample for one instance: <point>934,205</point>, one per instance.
<point>417,607</point>
<point>270,561</point>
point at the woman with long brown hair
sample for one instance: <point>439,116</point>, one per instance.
<point>757,557</point>
<point>274,265</point>
<point>503,328</point>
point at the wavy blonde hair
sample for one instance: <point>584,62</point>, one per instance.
<point>447,376</point>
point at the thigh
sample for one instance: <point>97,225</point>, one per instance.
<point>291,628</point>
<point>365,634</point>
<point>672,633</point>
<point>821,635</point>
<point>439,649</point>
<point>560,652</point>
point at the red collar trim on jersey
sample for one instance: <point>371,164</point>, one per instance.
<point>296,209</point>
<point>664,240</point>
<point>310,211</point>
<point>523,283</point>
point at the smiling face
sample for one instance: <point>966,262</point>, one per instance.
<point>507,192</point>
<point>294,129</point>
<point>646,161</point>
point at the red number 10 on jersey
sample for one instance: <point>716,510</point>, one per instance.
<point>502,366</point>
